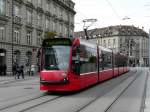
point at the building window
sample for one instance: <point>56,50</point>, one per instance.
<point>61,13</point>
<point>54,26</point>
<point>39,38</point>
<point>17,56</point>
<point>109,43</point>
<point>2,7</point>
<point>2,33</point>
<point>29,1</point>
<point>16,36</point>
<point>39,2</point>
<point>54,10</point>
<point>47,6</point>
<point>114,43</point>
<point>16,10</point>
<point>39,20</point>
<point>65,31</point>
<point>29,37</point>
<point>47,23</point>
<point>104,43</point>
<point>29,17</point>
<point>61,28</point>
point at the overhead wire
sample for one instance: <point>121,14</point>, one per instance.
<point>113,9</point>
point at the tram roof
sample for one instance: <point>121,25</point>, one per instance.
<point>94,45</point>
<point>88,44</point>
<point>105,49</point>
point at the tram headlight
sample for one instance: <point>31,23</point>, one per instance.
<point>64,75</point>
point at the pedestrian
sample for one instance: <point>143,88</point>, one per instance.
<point>32,70</point>
<point>17,74</point>
<point>29,70</point>
<point>14,69</point>
<point>5,69</point>
<point>0,69</point>
<point>22,71</point>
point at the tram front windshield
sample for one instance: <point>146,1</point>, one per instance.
<point>56,57</point>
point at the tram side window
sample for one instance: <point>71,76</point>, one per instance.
<point>105,60</point>
<point>120,60</point>
<point>75,59</point>
<point>87,59</point>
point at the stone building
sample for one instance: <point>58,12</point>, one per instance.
<point>26,27</point>
<point>128,40</point>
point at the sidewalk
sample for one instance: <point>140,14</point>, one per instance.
<point>3,78</point>
<point>147,100</point>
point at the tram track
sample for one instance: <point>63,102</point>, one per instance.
<point>98,97</point>
<point>119,96</point>
<point>17,85</point>
<point>17,97</point>
<point>50,103</point>
<point>28,104</point>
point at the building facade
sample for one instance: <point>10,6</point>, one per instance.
<point>128,40</point>
<point>23,24</point>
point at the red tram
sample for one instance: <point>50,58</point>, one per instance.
<point>73,64</point>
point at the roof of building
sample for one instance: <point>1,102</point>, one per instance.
<point>119,30</point>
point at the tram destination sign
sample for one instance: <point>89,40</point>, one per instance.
<point>59,41</point>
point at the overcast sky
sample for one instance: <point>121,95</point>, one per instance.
<point>112,12</point>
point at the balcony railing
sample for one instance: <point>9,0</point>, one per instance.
<point>48,13</point>
<point>4,17</point>
<point>17,20</point>
<point>39,9</point>
<point>29,24</point>
<point>30,4</point>
<point>19,1</point>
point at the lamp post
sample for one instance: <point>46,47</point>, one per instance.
<point>12,35</point>
<point>149,48</point>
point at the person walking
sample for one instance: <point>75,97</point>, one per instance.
<point>22,71</point>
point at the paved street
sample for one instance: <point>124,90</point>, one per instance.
<point>126,93</point>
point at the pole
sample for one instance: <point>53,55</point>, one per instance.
<point>12,36</point>
<point>149,48</point>
<point>86,34</point>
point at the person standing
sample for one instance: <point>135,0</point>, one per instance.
<point>17,74</point>
<point>14,69</point>
<point>5,69</point>
<point>32,70</point>
<point>0,69</point>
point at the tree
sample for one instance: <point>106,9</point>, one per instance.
<point>49,35</point>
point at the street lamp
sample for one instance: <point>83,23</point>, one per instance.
<point>149,48</point>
